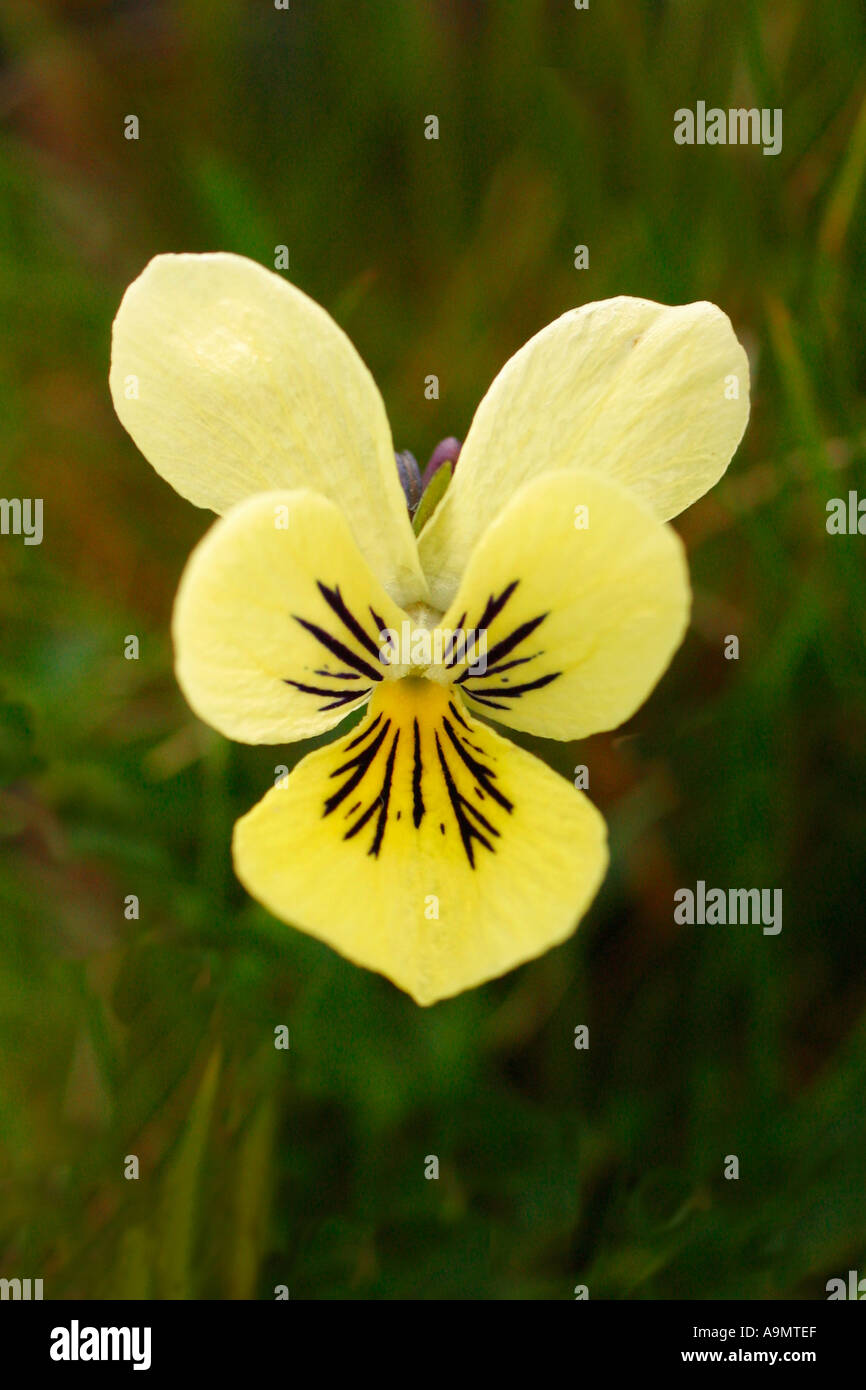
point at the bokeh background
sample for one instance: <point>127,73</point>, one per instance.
<point>155,1037</point>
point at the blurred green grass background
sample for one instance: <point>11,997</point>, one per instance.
<point>154,1037</point>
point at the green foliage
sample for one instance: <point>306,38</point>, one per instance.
<point>154,1036</point>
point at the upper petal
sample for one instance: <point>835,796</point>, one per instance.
<point>232,382</point>
<point>583,595</point>
<point>425,846</point>
<point>277,620</point>
<point>653,396</point>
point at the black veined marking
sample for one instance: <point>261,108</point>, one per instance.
<point>459,805</point>
<point>365,734</point>
<point>485,697</point>
<point>338,675</point>
<point>378,742</point>
<point>361,763</point>
<point>348,655</point>
<point>338,698</point>
<point>339,649</point>
<point>417,774</point>
<point>492,609</point>
<point>336,602</point>
<point>382,801</point>
<point>497,696</point>
<point>484,776</point>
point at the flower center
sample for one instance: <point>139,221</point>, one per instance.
<point>421,647</point>
<point>413,481</point>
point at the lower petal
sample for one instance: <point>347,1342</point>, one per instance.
<point>425,846</point>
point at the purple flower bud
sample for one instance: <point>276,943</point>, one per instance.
<point>446,451</point>
<point>410,477</point>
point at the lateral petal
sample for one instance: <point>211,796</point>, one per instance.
<point>277,621</point>
<point>583,595</point>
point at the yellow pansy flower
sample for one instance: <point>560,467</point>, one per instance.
<point>423,844</point>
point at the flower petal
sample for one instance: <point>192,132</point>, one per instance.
<point>425,846</point>
<point>584,596</point>
<point>656,397</point>
<point>277,620</point>
<point>232,382</point>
